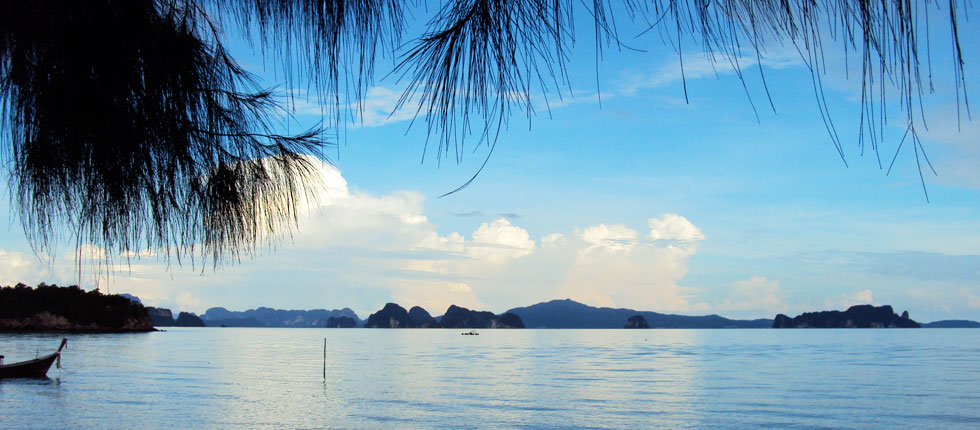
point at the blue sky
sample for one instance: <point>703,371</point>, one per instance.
<point>645,202</point>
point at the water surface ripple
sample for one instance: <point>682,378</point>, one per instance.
<point>273,378</point>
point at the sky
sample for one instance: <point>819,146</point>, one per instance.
<point>624,195</point>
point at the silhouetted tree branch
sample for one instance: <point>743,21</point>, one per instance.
<point>128,122</point>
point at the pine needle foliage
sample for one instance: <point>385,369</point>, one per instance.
<point>129,126</point>
<point>128,122</point>
<point>483,58</point>
<point>332,44</point>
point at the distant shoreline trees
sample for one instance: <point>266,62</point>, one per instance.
<point>54,308</point>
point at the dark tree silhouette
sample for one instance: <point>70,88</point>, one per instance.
<point>50,307</point>
<point>128,121</point>
<point>126,124</point>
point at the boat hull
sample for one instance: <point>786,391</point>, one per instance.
<point>36,368</point>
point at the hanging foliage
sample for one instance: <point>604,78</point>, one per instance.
<point>126,124</point>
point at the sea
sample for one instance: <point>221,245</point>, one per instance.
<point>288,378</point>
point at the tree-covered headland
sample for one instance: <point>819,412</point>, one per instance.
<point>54,308</point>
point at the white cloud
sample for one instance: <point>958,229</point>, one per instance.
<point>616,238</point>
<point>300,102</point>
<point>89,253</point>
<point>702,65</point>
<point>645,278</point>
<point>863,296</point>
<point>614,267</point>
<point>553,239</point>
<point>754,294</point>
<point>380,108</point>
<point>187,302</point>
<point>973,301</point>
<point>436,297</point>
<point>358,249</point>
<point>846,300</point>
<point>32,269</point>
<point>499,241</point>
<point>15,267</point>
<point>146,253</point>
<point>673,227</point>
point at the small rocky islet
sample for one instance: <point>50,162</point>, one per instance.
<point>341,322</point>
<point>637,321</point>
<point>860,316</point>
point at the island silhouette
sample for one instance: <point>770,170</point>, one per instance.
<point>72,309</point>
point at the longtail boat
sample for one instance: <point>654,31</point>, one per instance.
<point>36,368</point>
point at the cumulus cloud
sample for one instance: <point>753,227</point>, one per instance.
<point>613,238</point>
<point>187,301</point>
<point>754,294</point>
<point>15,267</point>
<point>846,300</point>
<point>614,266</point>
<point>361,250</point>
<point>89,252</point>
<point>387,240</point>
<point>500,241</point>
<point>642,277</point>
<point>31,269</point>
<point>553,240</point>
<point>674,227</point>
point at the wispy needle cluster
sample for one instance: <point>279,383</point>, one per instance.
<point>126,124</point>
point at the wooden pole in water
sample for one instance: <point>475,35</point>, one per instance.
<point>324,359</point>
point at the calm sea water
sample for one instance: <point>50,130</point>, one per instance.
<point>273,378</point>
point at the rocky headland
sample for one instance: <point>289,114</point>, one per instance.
<point>50,308</point>
<point>161,317</point>
<point>187,319</point>
<point>421,318</point>
<point>395,316</point>
<point>459,317</point>
<point>860,316</point>
<point>390,316</point>
<point>341,322</point>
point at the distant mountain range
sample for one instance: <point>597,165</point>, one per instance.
<point>269,317</point>
<point>571,314</point>
<point>553,314</point>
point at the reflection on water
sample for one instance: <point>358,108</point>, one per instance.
<point>273,378</point>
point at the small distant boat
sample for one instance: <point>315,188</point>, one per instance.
<point>470,333</point>
<point>36,368</point>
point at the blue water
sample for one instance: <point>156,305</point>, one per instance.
<point>273,378</point>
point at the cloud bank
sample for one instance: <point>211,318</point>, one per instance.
<point>356,246</point>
